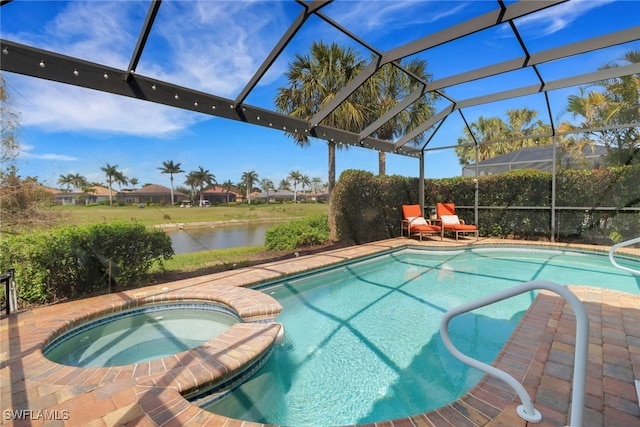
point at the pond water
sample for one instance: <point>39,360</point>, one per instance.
<point>217,237</point>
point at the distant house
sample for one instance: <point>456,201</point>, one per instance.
<point>540,158</point>
<point>89,196</point>
<point>217,195</point>
<point>152,193</point>
<point>282,196</point>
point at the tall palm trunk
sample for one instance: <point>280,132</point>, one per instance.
<point>382,163</point>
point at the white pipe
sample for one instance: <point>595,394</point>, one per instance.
<point>619,245</point>
<point>526,411</point>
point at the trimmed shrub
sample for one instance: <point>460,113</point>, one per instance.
<point>71,262</point>
<point>299,233</point>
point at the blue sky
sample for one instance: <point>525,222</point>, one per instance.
<point>216,46</point>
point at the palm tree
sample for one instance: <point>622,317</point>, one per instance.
<point>284,185</point>
<point>199,179</point>
<point>249,178</point>
<point>228,186</point>
<point>391,85</point>
<point>305,181</point>
<point>294,177</point>
<point>521,126</point>
<point>134,181</point>
<point>79,182</point>
<point>266,185</point>
<point>172,169</point>
<point>316,184</point>
<point>111,171</point>
<point>314,80</point>
<point>612,102</point>
<point>120,179</point>
<point>66,180</point>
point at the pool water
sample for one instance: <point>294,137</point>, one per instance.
<point>362,341</point>
<point>140,335</point>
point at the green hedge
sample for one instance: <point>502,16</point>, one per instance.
<point>309,231</point>
<point>71,262</point>
<point>368,207</point>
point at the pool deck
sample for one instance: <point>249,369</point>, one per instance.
<point>539,354</point>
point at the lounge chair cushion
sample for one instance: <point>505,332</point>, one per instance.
<point>425,227</point>
<point>450,219</point>
<point>416,220</point>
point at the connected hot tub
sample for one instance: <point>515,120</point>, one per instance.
<point>142,334</point>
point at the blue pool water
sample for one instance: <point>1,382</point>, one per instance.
<point>140,335</point>
<point>362,342</point>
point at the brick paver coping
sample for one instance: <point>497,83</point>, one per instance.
<point>539,353</point>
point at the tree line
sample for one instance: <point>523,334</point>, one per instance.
<point>197,181</point>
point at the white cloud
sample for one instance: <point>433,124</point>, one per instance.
<point>26,152</point>
<point>555,19</point>
<point>212,46</point>
<point>388,15</point>
<point>58,107</point>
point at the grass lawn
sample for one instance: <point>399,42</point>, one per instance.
<point>156,215</point>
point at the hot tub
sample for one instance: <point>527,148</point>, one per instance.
<point>142,334</point>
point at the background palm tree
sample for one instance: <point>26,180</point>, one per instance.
<point>284,185</point>
<point>134,181</point>
<point>611,102</point>
<point>66,181</point>
<point>110,171</point>
<point>391,85</point>
<point>305,182</point>
<point>120,179</point>
<point>228,186</point>
<point>314,80</point>
<point>522,125</point>
<point>249,178</point>
<point>199,179</point>
<point>294,177</point>
<point>79,182</point>
<point>172,169</point>
<point>266,185</point>
<point>316,184</point>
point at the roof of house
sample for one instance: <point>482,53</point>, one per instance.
<point>531,157</point>
<point>154,189</point>
<point>218,190</point>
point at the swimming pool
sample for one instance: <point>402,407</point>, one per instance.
<point>142,334</point>
<point>362,341</point>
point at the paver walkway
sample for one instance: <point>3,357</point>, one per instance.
<point>539,353</point>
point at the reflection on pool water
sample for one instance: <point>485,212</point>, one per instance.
<point>363,344</point>
<point>140,335</point>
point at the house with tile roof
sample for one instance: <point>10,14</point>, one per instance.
<point>90,196</point>
<point>218,195</point>
<point>152,193</point>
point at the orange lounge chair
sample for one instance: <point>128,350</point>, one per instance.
<point>446,213</point>
<point>415,224</point>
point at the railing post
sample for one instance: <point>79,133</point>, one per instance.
<point>10,290</point>
<point>13,290</point>
<point>526,411</point>
<point>616,247</point>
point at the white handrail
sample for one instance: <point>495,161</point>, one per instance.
<point>619,245</point>
<point>526,410</point>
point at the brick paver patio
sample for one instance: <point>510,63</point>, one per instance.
<point>539,353</point>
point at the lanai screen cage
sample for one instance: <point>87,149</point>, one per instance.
<point>485,57</point>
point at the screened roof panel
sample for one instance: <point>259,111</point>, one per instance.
<point>556,26</point>
<point>373,21</point>
<point>228,58</point>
